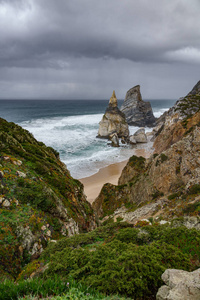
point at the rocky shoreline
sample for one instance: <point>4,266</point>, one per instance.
<point>139,217</point>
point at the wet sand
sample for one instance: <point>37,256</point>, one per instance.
<point>93,184</point>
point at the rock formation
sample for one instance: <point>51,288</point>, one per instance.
<point>113,121</point>
<point>178,120</point>
<point>39,200</point>
<point>169,179</point>
<point>140,136</point>
<point>180,285</point>
<point>137,112</point>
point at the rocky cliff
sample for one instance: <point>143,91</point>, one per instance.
<point>167,184</point>
<point>39,200</point>
<point>180,119</point>
<point>137,112</point>
<point>113,121</point>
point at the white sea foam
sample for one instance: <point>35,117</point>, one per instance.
<point>75,139</point>
<point>159,112</point>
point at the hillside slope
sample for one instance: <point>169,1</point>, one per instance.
<point>39,200</point>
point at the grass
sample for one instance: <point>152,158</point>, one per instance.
<point>55,288</point>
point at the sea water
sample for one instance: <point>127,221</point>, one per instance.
<point>71,128</point>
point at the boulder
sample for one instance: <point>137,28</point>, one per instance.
<point>21,174</point>
<point>137,112</point>
<point>113,121</point>
<point>140,136</point>
<point>6,203</point>
<point>132,139</point>
<point>114,139</point>
<point>180,285</point>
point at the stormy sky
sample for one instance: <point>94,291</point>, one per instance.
<point>84,49</point>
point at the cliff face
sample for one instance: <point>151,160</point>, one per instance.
<point>167,184</point>
<point>174,171</point>
<point>181,118</point>
<point>113,121</point>
<point>137,111</point>
<point>39,200</point>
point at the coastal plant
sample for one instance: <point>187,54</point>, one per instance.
<point>52,288</point>
<point>118,267</point>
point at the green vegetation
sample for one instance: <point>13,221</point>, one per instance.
<point>157,194</point>
<point>161,159</point>
<point>55,287</point>
<point>39,191</point>
<point>189,105</point>
<point>174,196</point>
<point>110,202</point>
<point>194,189</point>
<point>118,258</point>
<point>138,163</point>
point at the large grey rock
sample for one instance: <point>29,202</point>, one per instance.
<point>137,111</point>
<point>163,292</point>
<point>180,285</point>
<point>140,136</point>
<point>113,121</point>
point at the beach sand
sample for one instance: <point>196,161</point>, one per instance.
<point>93,184</point>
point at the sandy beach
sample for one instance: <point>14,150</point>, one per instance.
<point>93,184</point>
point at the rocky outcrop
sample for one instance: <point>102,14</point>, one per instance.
<point>178,120</point>
<point>140,136</point>
<point>114,139</point>
<point>174,174</point>
<point>180,285</point>
<point>39,200</point>
<point>137,112</point>
<point>171,175</point>
<point>113,121</point>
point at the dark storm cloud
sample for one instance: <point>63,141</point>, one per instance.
<point>76,37</point>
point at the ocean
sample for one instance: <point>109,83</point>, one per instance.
<point>71,127</point>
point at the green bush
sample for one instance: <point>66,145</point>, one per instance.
<point>118,267</point>
<point>194,190</point>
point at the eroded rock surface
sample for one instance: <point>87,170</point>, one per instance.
<point>178,120</point>
<point>180,285</point>
<point>113,121</point>
<point>172,173</point>
<point>137,112</point>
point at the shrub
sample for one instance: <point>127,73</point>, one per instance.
<point>194,190</point>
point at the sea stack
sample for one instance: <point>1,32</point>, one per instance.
<point>137,112</point>
<point>113,121</point>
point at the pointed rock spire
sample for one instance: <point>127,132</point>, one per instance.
<point>113,121</point>
<point>113,100</point>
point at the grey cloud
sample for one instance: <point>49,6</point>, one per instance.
<point>53,41</point>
